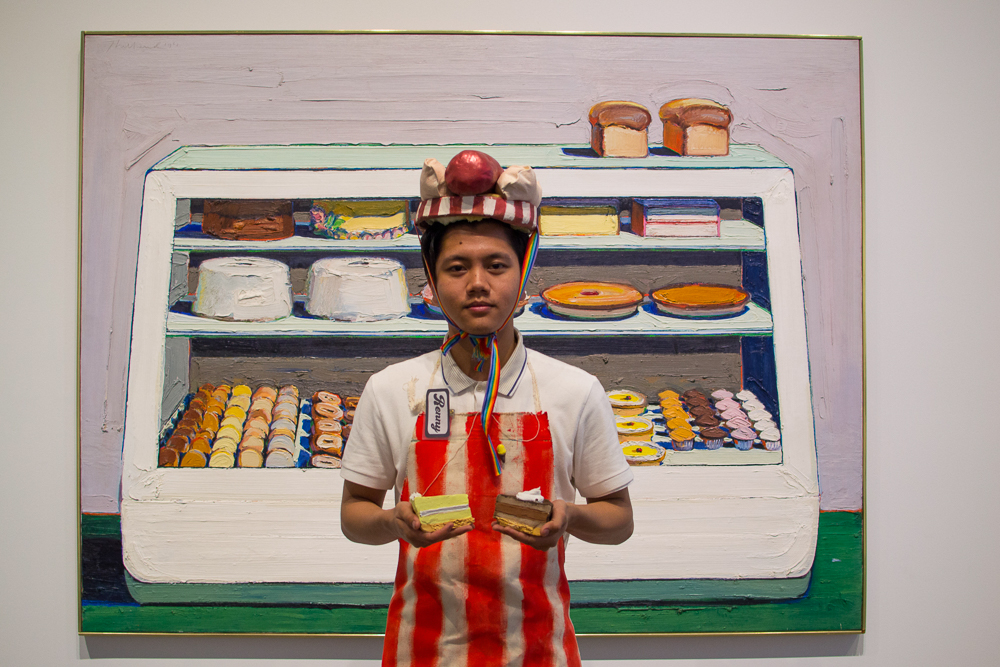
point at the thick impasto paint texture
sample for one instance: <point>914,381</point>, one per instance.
<point>270,268</point>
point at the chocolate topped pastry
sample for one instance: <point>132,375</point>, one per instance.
<point>706,421</point>
<point>248,219</point>
<point>701,411</point>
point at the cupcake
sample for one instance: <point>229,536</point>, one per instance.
<point>746,395</point>
<point>738,422</point>
<point>743,438</point>
<point>677,422</point>
<point>771,438</point>
<point>734,413</point>
<point>713,437</point>
<point>706,421</point>
<point>721,394</point>
<point>758,415</point>
<point>726,404</point>
<point>764,425</point>
<point>752,404</point>
<point>668,394</point>
<point>682,439</point>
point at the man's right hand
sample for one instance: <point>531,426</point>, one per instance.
<point>406,526</point>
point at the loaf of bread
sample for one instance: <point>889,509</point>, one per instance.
<point>694,126</point>
<point>618,129</point>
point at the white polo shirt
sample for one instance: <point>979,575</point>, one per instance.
<point>586,453</point>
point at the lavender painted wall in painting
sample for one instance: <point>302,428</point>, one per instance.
<point>146,95</point>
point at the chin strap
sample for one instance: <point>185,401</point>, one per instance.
<point>485,348</point>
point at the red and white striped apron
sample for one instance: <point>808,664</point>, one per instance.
<point>481,599</point>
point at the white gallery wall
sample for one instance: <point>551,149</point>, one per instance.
<point>931,125</point>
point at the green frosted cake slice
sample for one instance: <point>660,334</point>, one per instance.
<point>436,511</point>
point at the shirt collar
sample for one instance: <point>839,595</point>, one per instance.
<point>510,374</point>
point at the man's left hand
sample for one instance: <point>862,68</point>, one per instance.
<point>550,531</point>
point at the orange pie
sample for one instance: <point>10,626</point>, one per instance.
<point>592,301</point>
<point>700,300</point>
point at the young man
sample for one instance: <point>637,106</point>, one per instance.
<point>483,594</point>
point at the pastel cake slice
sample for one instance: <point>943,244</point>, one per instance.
<point>523,515</point>
<point>435,512</point>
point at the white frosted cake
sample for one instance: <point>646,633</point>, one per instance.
<point>357,289</point>
<point>243,289</point>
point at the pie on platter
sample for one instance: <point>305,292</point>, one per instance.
<point>700,300</point>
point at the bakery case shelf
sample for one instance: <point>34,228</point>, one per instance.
<point>735,235</point>
<point>535,321</point>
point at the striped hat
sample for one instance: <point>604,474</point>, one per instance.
<point>475,187</point>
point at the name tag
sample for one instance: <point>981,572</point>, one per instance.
<point>437,417</point>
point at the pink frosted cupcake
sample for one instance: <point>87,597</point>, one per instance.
<point>721,394</point>
<point>727,404</point>
<point>743,438</point>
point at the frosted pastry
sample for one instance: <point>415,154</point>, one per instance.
<point>243,289</point>
<point>682,439</point>
<point>713,437</point>
<point>359,220</point>
<point>248,219</point>
<point>771,439</point>
<point>743,438</point>
<point>357,289</point>
<point>721,394</point>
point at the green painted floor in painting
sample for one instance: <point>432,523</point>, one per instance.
<point>833,602</point>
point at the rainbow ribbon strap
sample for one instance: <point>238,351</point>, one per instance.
<point>485,348</point>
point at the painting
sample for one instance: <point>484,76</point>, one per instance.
<point>249,261</point>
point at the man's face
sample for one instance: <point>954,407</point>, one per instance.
<point>478,276</point>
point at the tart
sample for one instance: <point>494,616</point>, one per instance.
<point>646,454</point>
<point>626,402</point>
<point>592,300</point>
<point>634,428</point>
<point>700,300</point>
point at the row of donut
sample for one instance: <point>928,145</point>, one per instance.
<point>370,289</point>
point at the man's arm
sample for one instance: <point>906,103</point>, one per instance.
<point>604,520</point>
<point>363,520</point>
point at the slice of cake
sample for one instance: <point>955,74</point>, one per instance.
<point>527,511</point>
<point>359,220</point>
<point>574,217</point>
<point>436,512</point>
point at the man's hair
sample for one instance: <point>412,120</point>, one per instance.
<point>433,237</point>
